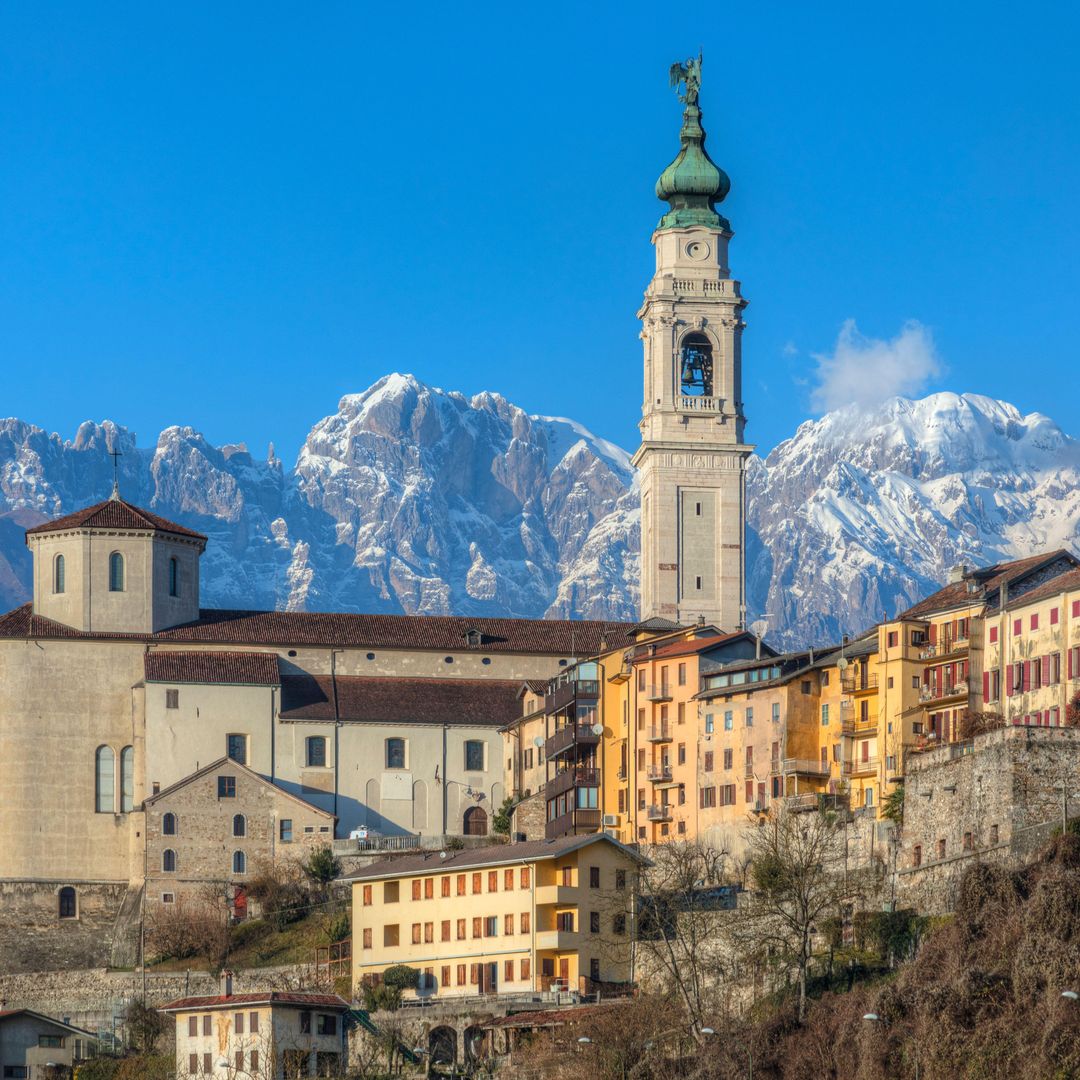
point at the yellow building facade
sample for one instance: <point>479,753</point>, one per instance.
<point>513,918</point>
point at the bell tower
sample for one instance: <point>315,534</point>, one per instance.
<point>692,458</point>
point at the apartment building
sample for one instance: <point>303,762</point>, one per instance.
<point>508,918</point>
<point>664,755</point>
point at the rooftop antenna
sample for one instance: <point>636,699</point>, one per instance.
<point>115,454</point>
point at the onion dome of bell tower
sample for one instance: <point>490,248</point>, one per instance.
<point>692,184</point>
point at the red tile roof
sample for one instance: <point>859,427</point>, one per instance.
<point>687,648</point>
<point>461,702</point>
<point>226,668</point>
<point>113,514</point>
<point>1066,582</point>
<point>987,581</point>
<point>443,633</point>
<point>272,997</point>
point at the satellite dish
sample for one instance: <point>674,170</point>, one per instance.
<point>842,664</point>
<point>598,730</point>
<point>442,854</point>
<point>759,627</point>
<point>538,741</point>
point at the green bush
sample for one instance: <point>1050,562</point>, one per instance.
<point>401,977</point>
<point>338,930</point>
<point>322,867</point>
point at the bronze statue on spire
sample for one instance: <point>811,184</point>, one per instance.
<point>688,74</point>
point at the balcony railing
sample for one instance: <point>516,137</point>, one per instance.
<point>662,692</point>
<point>659,733</point>
<point>566,693</point>
<point>943,691</point>
<point>700,404</point>
<point>806,766</point>
<point>815,801</point>
<point>569,735</point>
<point>575,822</point>
<point>568,778</point>
<point>748,770</point>
<point>943,647</point>
<point>859,727</point>
<point>855,684</point>
<point>864,767</point>
<point>659,774</point>
<point>659,812</point>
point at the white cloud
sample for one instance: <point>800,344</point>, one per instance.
<point>865,371</point>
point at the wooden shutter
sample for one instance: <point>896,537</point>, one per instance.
<point>986,686</point>
<point>933,633</point>
<point>1046,670</point>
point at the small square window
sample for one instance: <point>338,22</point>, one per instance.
<point>285,830</point>
<point>226,787</point>
<point>172,699</point>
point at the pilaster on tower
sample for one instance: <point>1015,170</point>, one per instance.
<point>692,457</point>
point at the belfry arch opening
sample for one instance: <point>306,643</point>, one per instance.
<point>696,366</point>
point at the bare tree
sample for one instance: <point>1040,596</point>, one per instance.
<point>799,877</point>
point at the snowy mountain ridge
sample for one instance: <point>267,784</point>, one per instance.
<point>416,499</point>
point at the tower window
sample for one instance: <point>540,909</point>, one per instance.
<point>116,572</point>
<point>698,509</point>
<point>696,366</point>
<point>699,583</point>
<point>174,578</point>
<point>58,574</point>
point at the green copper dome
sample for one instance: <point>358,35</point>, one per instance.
<point>692,183</point>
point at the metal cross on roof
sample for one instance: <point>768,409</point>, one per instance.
<point>115,455</point>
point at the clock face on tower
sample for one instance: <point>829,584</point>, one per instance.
<point>697,250</point>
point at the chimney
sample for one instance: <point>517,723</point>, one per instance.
<point>226,983</point>
<point>958,573</point>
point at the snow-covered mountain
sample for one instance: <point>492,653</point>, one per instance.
<point>415,499</point>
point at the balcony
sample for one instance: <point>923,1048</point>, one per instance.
<point>700,404</point>
<point>556,940</point>
<point>556,894</point>
<point>658,693</point>
<point>659,774</point>
<point>865,767</point>
<point>568,736</point>
<point>569,778</point>
<point>804,804</point>
<point>862,683</point>
<point>806,767</point>
<point>573,823</point>
<point>949,646</point>
<point>658,812</point>
<point>568,692</point>
<point>859,727</point>
<point>748,770</point>
<point>659,733</point>
<point>944,692</point>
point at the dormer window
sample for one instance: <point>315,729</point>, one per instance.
<point>174,578</point>
<point>116,572</point>
<point>58,574</point>
<point>473,639</point>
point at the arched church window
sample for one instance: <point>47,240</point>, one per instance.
<point>239,863</point>
<point>58,574</point>
<point>127,780</point>
<point>696,366</point>
<point>239,825</point>
<point>168,861</point>
<point>105,780</point>
<point>116,572</point>
<point>168,825</point>
<point>174,578</point>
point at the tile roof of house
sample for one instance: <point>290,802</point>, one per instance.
<point>431,862</point>
<point>270,997</point>
<point>443,633</point>
<point>1065,582</point>
<point>378,700</point>
<point>224,668</point>
<point>688,648</point>
<point>535,686</point>
<point>987,581</point>
<point>6,1013</point>
<point>113,514</point>
<point>235,767</point>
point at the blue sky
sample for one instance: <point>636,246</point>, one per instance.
<point>229,215</point>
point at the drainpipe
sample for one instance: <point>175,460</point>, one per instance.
<point>445,782</point>
<point>337,728</point>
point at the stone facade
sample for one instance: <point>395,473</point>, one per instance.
<point>219,839</point>
<point>997,799</point>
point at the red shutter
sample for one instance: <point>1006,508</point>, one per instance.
<point>933,633</point>
<point>1026,684</point>
<point>986,686</point>
<point>1046,670</point>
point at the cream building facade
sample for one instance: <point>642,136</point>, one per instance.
<point>692,457</point>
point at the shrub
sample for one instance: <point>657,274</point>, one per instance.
<point>401,977</point>
<point>144,1026</point>
<point>322,867</point>
<point>278,889</point>
<point>504,817</point>
<point>338,930</point>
